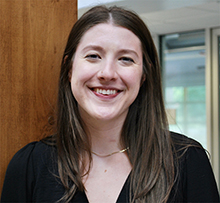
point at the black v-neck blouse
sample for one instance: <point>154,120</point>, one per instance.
<point>31,177</point>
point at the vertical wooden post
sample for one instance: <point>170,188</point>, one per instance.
<point>32,39</point>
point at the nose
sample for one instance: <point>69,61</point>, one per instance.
<point>107,71</point>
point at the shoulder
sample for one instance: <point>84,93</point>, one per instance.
<point>34,150</point>
<point>29,160</point>
<point>180,140</point>
<point>189,152</point>
<point>197,181</point>
<point>23,172</point>
<point>185,146</point>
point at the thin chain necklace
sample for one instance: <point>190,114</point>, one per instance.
<point>121,151</point>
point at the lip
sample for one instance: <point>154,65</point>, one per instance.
<point>105,92</point>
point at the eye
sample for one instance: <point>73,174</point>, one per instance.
<point>92,56</point>
<point>126,59</point>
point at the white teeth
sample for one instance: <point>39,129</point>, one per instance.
<point>106,92</point>
<point>103,91</point>
<point>113,92</point>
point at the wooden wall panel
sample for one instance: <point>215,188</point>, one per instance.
<point>33,34</point>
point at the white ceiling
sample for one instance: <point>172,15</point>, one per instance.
<point>167,16</point>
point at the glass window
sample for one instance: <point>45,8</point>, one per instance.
<point>183,69</point>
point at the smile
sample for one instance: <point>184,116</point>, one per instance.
<point>105,91</point>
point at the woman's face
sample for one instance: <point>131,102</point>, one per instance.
<point>106,72</point>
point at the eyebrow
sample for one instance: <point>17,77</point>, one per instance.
<point>93,47</point>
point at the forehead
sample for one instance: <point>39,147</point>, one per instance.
<point>105,33</point>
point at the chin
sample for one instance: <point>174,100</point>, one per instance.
<point>104,117</point>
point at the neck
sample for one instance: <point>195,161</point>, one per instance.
<point>104,132</point>
<point>105,137</point>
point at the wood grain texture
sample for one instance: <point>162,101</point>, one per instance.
<point>32,39</point>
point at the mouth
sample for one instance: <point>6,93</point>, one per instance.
<point>106,92</point>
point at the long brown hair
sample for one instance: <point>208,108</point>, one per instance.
<point>145,129</point>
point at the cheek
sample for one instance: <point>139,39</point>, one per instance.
<point>133,79</point>
<point>81,72</point>
<point>76,88</point>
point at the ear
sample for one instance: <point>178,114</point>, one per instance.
<point>70,72</point>
<point>70,75</point>
<point>143,78</point>
<point>65,58</point>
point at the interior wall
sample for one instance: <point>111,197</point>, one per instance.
<point>33,34</point>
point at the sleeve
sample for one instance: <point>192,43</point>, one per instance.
<point>200,184</point>
<point>19,177</point>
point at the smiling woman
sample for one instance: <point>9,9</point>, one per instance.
<point>108,72</point>
<point>112,142</point>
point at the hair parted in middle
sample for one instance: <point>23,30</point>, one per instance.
<point>145,130</point>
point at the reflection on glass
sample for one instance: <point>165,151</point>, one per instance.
<point>183,63</point>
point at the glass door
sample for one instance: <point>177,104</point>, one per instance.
<point>215,78</point>
<point>191,82</point>
<point>183,67</point>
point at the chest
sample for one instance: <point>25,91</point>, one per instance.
<point>106,188</point>
<point>105,182</point>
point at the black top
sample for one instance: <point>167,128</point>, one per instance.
<point>32,177</point>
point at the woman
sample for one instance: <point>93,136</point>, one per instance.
<point>112,142</point>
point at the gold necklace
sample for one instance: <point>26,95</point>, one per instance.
<point>121,151</point>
